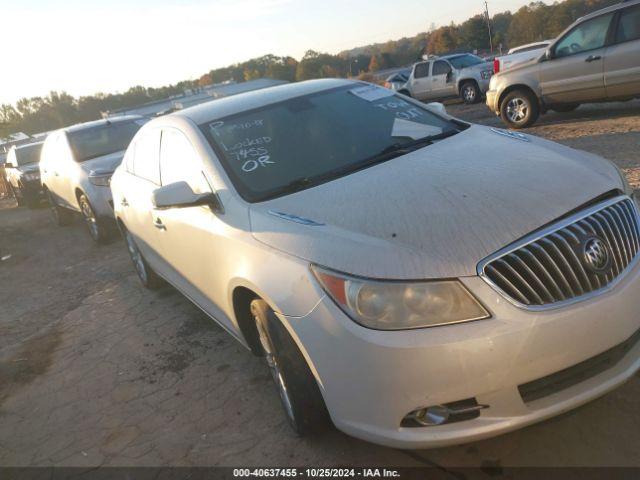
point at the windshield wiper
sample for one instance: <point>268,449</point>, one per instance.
<point>420,142</point>
<point>392,151</point>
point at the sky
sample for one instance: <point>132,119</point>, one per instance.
<point>84,47</point>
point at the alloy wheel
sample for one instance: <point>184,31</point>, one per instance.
<point>517,110</point>
<point>469,93</point>
<point>89,217</point>
<point>136,256</point>
<point>274,367</point>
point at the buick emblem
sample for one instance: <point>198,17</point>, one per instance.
<point>596,255</point>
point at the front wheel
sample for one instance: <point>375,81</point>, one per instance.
<point>98,228</point>
<point>519,109</point>
<point>61,216</point>
<point>16,194</point>
<point>299,392</point>
<point>148,277</point>
<point>470,93</point>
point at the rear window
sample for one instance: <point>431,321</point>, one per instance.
<point>103,140</point>
<point>308,139</point>
<point>28,154</point>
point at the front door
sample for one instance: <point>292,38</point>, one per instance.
<point>442,82</point>
<point>575,73</point>
<point>193,239</point>
<point>622,58</point>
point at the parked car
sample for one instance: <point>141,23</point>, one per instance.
<point>411,292</point>
<point>23,175</point>
<point>596,59</point>
<point>521,54</point>
<point>76,167</point>
<point>398,80</point>
<point>464,75</point>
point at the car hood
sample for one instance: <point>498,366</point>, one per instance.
<point>435,212</point>
<point>105,163</point>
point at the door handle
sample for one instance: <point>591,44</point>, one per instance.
<point>593,58</point>
<point>158,224</point>
<point>124,202</point>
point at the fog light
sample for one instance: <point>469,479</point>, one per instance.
<point>434,415</point>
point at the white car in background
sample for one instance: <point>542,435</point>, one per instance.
<point>417,280</point>
<point>521,54</point>
<point>76,165</point>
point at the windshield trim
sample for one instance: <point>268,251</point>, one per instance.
<point>320,179</point>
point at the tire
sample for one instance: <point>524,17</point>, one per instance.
<point>299,393</point>
<point>16,194</point>
<point>470,93</point>
<point>519,109</point>
<point>61,216</point>
<point>148,277</point>
<point>32,201</point>
<point>100,231</point>
<point>570,107</point>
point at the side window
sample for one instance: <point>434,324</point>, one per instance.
<point>629,25</point>
<point>179,162</point>
<point>421,70</point>
<point>146,161</point>
<point>587,36</point>
<point>441,68</point>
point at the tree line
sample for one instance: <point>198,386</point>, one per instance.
<point>536,21</point>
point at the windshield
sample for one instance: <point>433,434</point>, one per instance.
<point>28,154</point>
<point>308,140</point>
<point>464,61</point>
<point>103,140</point>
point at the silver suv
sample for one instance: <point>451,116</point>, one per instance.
<point>597,59</point>
<point>464,75</point>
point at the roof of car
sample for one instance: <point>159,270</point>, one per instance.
<point>612,8</point>
<point>27,145</point>
<point>99,123</point>
<point>224,107</point>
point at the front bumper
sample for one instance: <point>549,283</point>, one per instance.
<point>101,201</point>
<point>371,379</point>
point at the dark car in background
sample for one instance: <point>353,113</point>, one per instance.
<point>23,174</point>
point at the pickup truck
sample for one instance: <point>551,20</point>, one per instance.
<point>520,54</point>
<point>462,75</point>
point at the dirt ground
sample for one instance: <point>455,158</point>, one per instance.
<point>94,370</point>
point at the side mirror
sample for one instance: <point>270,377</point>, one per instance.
<point>437,107</point>
<point>547,55</point>
<point>180,195</point>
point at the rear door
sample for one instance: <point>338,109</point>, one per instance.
<point>575,73</point>
<point>419,84</point>
<point>622,58</point>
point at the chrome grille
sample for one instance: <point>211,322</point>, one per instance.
<point>552,267</point>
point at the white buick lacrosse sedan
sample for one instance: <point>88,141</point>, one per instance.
<point>413,279</point>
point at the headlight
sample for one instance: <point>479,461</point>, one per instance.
<point>486,74</point>
<point>31,177</point>
<point>100,180</point>
<point>384,305</point>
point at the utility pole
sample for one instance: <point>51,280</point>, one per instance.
<point>486,12</point>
